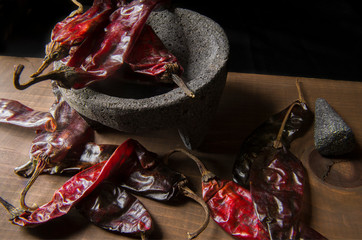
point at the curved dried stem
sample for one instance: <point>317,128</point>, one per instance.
<point>171,73</point>
<point>206,174</point>
<point>198,162</point>
<point>40,165</point>
<point>300,95</point>
<point>54,51</point>
<point>64,76</point>
<point>77,11</point>
<point>189,193</point>
<point>277,143</point>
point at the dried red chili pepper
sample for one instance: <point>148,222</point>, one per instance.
<point>150,178</point>
<point>74,29</point>
<point>299,121</point>
<point>277,180</point>
<point>16,113</point>
<point>75,189</point>
<point>230,204</point>
<point>112,208</point>
<point>98,58</point>
<point>151,57</point>
<point>75,161</point>
<point>49,148</point>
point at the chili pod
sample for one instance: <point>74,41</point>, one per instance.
<point>73,30</point>
<point>75,162</point>
<point>277,181</point>
<point>230,204</point>
<point>100,57</point>
<point>50,148</point>
<point>74,190</point>
<point>151,57</point>
<point>299,120</point>
<point>110,207</point>
<point>16,113</point>
<point>150,178</point>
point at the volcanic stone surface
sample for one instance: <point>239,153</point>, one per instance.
<point>332,136</point>
<point>202,48</point>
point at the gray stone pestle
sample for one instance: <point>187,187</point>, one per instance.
<point>332,135</point>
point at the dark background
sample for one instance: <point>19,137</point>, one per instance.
<point>318,39</point>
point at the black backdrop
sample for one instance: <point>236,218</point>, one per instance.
<point>318,39</point>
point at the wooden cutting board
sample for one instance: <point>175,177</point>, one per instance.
<point>333,206</point>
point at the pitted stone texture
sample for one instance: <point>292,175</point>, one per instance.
<point>332,136</point>
<point>202,48</point>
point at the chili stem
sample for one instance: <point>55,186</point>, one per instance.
<point>17,72</point>
<point>300,95</point>
<point>179,82</point>
<point>171,72</point>
<point>79,10</point>
<point>277,142</point>
<point>62,76</point>
<point>40,165</point>
<point>200,165</point>
<point>189,193</point>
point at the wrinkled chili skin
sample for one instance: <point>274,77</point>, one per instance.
<point>73,131</point>
<point>149,177</point>
<point>117,42</point>
<point>300,119</point>
<point>16,113</point>
<point>76,161</point>
<point>150,56</point>
<point>112,208</point>
<point>74,30</point>
<point>231,207</point>
<point>78,187</point>
<point>277,187</point>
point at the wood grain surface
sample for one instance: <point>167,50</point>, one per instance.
<point>333,206</point>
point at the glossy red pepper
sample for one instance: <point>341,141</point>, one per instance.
<point>50,148</point>
<point>16,113</point>
<point>100,57</point>
<point>112,208</point>
<point>79,159</point>
<point>299,120</point>
<point>77,188</point>
<point>277,181</point>
<point>230,205</point>
<point>151,57</point>
<point>94,193</point>
<point>74,29</point>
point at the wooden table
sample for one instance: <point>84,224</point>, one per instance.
<point>332,207</point>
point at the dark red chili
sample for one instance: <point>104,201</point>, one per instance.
<point>230,205</point>
<point>150,178</point>
<point>16,113</point>
<point>151,57</point>
<point>112,208</point>
<point>300,119</point>
<point>50,148</point>
<point>277,181</point>
<point>76,161</point>
<point>100,57</point>
<point>77,188</point>
<point>74,29</point>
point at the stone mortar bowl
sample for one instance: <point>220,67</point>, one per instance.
<point>202,49</point>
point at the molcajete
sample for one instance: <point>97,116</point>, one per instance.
<point>202,48</point>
